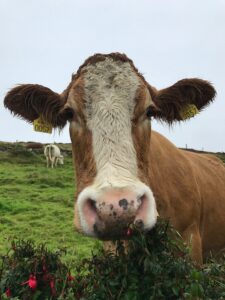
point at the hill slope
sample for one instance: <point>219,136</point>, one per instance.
<point>37,203</point>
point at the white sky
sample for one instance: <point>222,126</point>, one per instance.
<point>45,41</point>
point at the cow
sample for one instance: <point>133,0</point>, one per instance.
<point>53,155</point>
<point>126,172</point>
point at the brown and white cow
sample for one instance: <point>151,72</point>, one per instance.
<point>126,173</point>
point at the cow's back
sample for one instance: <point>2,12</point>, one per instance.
<point>55,150</point>
<point>52,151</point>
<point>189,189</point>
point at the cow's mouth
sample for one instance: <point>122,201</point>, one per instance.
<point>111,231</point>
<point>123,231</point>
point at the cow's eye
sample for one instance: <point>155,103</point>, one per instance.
<point>69,114</point>
<point>150,112</point>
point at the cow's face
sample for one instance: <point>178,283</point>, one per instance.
<point>110,132</point>
<point>109,105</point>
<point>61,160</point>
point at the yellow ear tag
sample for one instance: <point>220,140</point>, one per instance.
<point>42,126</point>
<point>189,111</point>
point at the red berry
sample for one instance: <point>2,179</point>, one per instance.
<point>129,232</point>
<point>8,293</point>
<point>44,268</point>
<point>70,277</point>
<point>52,285</point>
<point>32,282</point>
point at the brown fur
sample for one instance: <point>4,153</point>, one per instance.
<point>31,101</point>
<point>177,179</point>
<point>141,128</point>
<point>171,100</point>
<point>81,139</point>
<point>190,192</point>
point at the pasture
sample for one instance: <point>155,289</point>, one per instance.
<point>37,202</point>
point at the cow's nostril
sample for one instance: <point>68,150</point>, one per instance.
<point>90,208</point>
<point>141,216</point>
<point>140,199</point>
<point>139,223</point>
<point>92,204</point>
<point>89,214</point>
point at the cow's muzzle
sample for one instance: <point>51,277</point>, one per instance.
<point>107,214</point>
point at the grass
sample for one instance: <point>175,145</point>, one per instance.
<point>37,202</point>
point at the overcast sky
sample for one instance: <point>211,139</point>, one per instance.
<point>45,41</point>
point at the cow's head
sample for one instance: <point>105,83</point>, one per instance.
<point>61,159</point>
<point>109,106</point>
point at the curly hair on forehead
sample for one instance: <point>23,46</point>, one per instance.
<point>116,56</point>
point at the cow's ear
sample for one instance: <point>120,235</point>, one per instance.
<point>182,100</point>
<point>31,101</point>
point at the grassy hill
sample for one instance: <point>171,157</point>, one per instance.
<point>37,202</point>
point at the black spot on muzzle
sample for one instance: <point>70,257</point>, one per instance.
<point>123,203</point>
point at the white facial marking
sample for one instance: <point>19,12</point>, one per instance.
<point>110,89</point>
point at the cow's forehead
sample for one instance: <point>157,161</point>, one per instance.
<point>116,59</point>
<point>108,82</point>
<point>110,86</point>
<point>96,58</point>
<point>109,66</point>
<point>104,84</point>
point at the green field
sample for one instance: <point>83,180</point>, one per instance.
<point>37,202</point>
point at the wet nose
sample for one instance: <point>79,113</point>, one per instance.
<point>110,215</point>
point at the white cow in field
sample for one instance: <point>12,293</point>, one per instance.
<point>52,154</point>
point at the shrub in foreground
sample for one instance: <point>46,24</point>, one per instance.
<point>155,265</point>
<point>32,272</point>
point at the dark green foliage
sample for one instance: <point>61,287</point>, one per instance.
<point>25,261</point>
<point>156,265</point>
